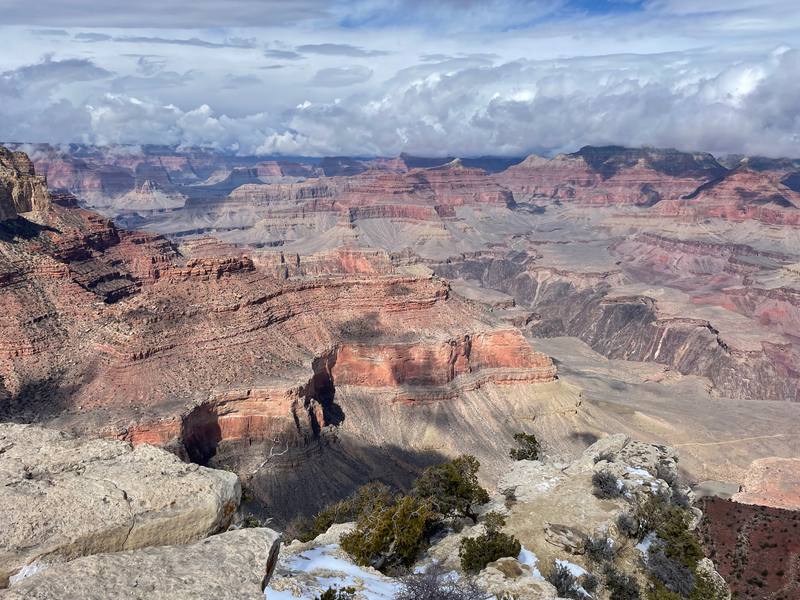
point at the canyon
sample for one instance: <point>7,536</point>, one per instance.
<point>314,324</point>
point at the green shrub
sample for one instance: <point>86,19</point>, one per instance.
<point>600,549</point>
<point>528,447</point>
<point>348,593</point>
<point>478,552</point>
<point>251,521</point>
<point>362,500</point>
<point>621,586</point>
<point>564,581</point>
<point>680,544</point>
<point>605,485</point>
<point>453,487</point>
<point>673,574</point>
<point>437,584</point>
<point>659,592</point>
<point>390,535</point>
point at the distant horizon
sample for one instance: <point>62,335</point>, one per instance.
<point>178,148</point>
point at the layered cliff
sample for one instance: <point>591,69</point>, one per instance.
<point>611,176</point>
<point>21,190</point>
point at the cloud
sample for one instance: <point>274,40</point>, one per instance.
<point>282,54</point>
<point>92,37</point>
<point>50,32</point>
<point>455,77</point>
<point>160,14</point>
<point>341,76</point>
<point>339,50</point>
<point>149,40</point>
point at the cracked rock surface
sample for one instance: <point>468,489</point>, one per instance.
<point>235,565</point>
<point>62,497</point>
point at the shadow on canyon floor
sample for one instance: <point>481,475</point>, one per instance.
<point>22,228</point>
<point>36,401</point>
<point>330,469</point>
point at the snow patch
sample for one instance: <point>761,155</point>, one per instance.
<point>526,557</point>
<point>644,545</point>
<point>26,571</point>
<point>331,571</point>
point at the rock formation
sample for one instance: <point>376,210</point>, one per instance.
<point>63,497</point>
<point>611,176</point>
<point>235,565</point>
<point>549,506</point>
<point>21,190</point>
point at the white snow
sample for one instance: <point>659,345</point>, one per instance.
<point>526,557</point>
<point>576,570</point>
<point>332,571</point>
<point>644,545</point>
<point>24,572</point>
<point>640,472</point>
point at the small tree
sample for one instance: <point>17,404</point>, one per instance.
<point>390,535</point>
<point>453,487</point>
<point>621,585</point>
<point>478,552</point>
<point>528,447</point>
<point>564,581</point>
<point>363,500</point>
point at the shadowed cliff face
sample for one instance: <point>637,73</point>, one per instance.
<point>20,189</point>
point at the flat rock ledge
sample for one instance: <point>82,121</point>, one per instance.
<point>63,497</point>
<point>235,565</point>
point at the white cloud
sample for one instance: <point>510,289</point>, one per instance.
<point>385,76</point>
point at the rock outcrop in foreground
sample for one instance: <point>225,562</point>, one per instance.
<point>63,497</point>
<point>551,508</point>
<point>230,566</point>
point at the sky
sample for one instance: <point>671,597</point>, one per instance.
<point>381,77</point>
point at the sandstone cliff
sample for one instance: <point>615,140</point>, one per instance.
<point>21,190</point>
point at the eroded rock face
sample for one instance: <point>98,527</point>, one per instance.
<point>64,497</point>
<point>20,189</point>
<point>612,176</point>
<point>236,565</point>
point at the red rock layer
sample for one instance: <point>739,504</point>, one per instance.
<point>376,365</point>
<point>419,194</point>
<point>741,196</point>
<point>755,548</point>
<point>570,178</point>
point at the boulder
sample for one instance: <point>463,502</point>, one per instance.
<point>236,565</point>
<point>62,497</point>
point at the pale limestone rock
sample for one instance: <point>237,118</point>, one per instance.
<point>499,578</point>
<point>721,590</point>
<point>235,565</point>
<point>334,534</point>
<point>62,497</point>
